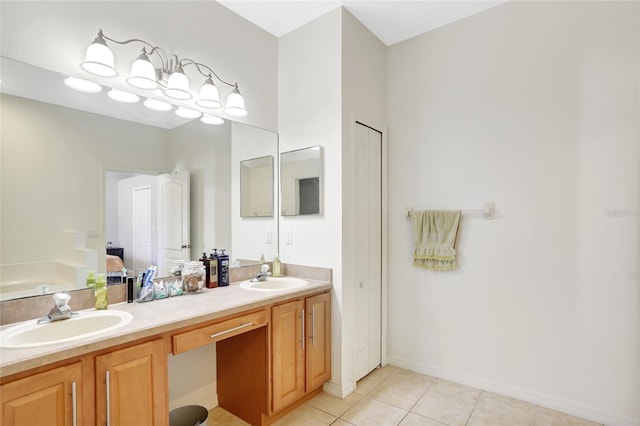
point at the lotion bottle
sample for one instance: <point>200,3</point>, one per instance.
<point>276,267</point>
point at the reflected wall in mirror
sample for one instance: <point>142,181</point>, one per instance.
<point>301,185</point>
<point>53,175</point>
<point>256,187</point>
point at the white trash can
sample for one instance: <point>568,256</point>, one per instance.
<point>189,415</point>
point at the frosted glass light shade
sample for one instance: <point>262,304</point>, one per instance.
<point>122,96</point>
<point>143,74</point>
<point>178,86</point>
<point>187,113</point>
<point>156,105</point>
<point>211,119</point>
<point>82,85</point>
<point>98,60</point>
<point>209,96</point>
<point>235,104</point>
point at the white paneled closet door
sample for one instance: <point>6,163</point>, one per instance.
<point>368,249</point>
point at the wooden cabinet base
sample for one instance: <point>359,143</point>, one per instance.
<point>268,420</point>
<point>242,375</point>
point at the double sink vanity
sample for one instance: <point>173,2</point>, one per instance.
<point>111,367</point>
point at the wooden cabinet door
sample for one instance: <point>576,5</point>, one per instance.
<point>51,398</point>
<point>131,386</point>
<point>318,347</point>
<point>288,364</point>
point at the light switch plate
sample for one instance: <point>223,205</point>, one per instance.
<point>288,237</point>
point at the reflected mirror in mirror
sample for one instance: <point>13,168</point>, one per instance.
<point>256,187</point>
<point>301,182</point>
<point>57,146</point>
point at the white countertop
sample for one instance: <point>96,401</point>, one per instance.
<point>154,318</point>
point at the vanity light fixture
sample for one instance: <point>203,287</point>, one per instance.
<point>122,96</point>
<point>211,119</point>
<point>82,85</point>
<point>157,105</point>
<point>187,113</point>
<point>168,75</point>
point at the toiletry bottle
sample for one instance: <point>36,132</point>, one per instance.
<point>275,267</point>
<point>101,292</point>
<point>207,270</point>
<point>213,264</point>
<point>91,279</point>
<point>262,259</point>
<point>223,269</point>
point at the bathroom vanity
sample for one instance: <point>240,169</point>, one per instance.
<point>273,353</point>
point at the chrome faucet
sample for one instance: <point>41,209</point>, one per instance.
<point>262,276</point>
<point>60,311</point>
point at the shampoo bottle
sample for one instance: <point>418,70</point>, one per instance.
<point>276,267</point>
<point>213,265</point>
<point>207,270</point>
<point>223,269</point>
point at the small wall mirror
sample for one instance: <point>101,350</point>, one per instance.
<point>256,187</point>
<point>301,182</point>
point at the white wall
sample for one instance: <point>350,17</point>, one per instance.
<point>309,114</point>
<point>55,34</point>
<point>533,105</point>
<point>250,233</point>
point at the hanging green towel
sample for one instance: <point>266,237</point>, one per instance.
<point>435,233</point>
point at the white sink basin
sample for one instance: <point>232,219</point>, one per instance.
<point>274,284</point>
<point>88,323</point>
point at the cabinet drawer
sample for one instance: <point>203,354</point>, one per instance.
<point>212,333</point>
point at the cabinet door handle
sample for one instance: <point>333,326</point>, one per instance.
<point>249,324</point>
<point>74,406</point>
<point>108,398</point>
<point>302,318</point>
<point>313,325</point>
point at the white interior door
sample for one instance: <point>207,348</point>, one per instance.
<point>173,220</point>
<point>141,225</point>
<point>368,249</point>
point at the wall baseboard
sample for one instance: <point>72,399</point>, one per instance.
<point>548,401</point>
<point>338,391</point>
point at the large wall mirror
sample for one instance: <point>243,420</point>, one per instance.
<point>75,167</point>
<point>301,183</point>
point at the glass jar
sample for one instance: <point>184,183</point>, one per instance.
<point>193,276</point>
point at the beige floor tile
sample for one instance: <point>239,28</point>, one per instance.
<point>220,416</point>
<point>413,419</point>
<point>306,415</point>
<point>374,378</point>
<point>334,405</point>
<point>497,410</point>
<point>369,412</point>
<point>548,417</point>
<point>400,391</point>
<point>447,402</point>
<point>411,377</point>
<point>340,422</point>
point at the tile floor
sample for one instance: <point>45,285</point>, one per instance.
<point>393,396</point>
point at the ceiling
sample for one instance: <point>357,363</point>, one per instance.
<point>391,21</point>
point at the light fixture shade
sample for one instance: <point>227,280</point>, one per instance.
<point>209,96</point>
<point>235,104</point>
<point>211,119</point>
<point>122,96</point>
<point>98,59</point>
<point>178,85</point>
<point>187,113</point>
<point>156,105</point>
<point>143,73</point>
<point>82,85</point>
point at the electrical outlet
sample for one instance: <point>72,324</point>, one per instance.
<point>288,237</point>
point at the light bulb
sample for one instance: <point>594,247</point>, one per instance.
<point>156,105</point>
<point>82,85</point>
<point>178,85</point>
<point>209,96</point>
<point>143,73</point>
<point>98,59</point>
<point>122,96</point>
<point>211,119</point>
<point>235,104</point>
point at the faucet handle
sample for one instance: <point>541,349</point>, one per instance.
<point>61,299</point>
<point>264,268</point>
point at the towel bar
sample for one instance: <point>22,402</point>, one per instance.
<point>488,211</point>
